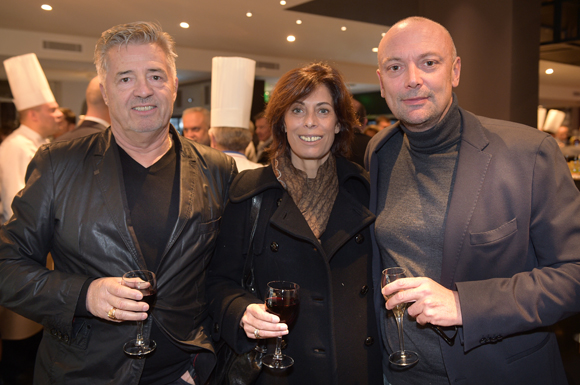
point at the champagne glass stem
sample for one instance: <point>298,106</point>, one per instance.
<point>399,319</point>
<point>278,352</point>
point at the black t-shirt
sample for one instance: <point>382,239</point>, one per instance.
<point>153,200</point>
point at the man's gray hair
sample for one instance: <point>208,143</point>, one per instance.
<point>202,110</point>
<point>232,138</point>
<point>139,32</point>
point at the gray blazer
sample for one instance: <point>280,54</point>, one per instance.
<point>510,250</point>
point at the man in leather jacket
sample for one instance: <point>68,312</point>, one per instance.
<point>135,196</point>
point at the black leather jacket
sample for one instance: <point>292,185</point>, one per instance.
<point>73,207</point>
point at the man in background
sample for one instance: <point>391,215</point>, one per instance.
<point>196,123</point>
<point>360,141</point>
<point>67,124</point>
<point>264,134</point>
<point>97,118</point>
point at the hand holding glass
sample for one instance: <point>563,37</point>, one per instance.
<point>146,282</point>
<point>282,300</point>
<point>402,357</point>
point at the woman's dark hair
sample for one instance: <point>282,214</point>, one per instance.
<point>296,85</point>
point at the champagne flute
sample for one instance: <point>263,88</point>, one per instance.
<point>402,357</point>
<point>146,282</point>
<point>282,300</point>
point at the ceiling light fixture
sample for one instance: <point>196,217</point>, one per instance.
<point>291,38</point>
<point>282,2</point>
<point>376,49</point>
<point>383,34</point>
<point>249,14</point>
<point>46,7</point>
<point>343,28</point>
<point>184,25</point>
<point>298,21</point>
<point>550,71</point>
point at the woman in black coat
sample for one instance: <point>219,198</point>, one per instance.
<point>312,229</point>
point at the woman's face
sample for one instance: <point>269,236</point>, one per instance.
<point>311,125</point>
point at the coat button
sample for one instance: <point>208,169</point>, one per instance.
<point>364,290</point>
<point>216,328</point>
<point>369,341</point>
<point>359,238</point>
<point>274,246</point>
<point>279,202</point>
<point>66,339</point>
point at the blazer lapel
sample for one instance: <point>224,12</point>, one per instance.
<point>107,172</point>
<point>472,166</point>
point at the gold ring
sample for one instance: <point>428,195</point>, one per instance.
<point>257,334</point>
<point>111,313</point>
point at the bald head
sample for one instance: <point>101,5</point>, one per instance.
<point>418,68</point>
<point>96,106</point>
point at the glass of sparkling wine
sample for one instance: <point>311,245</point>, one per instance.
<point>402,357</point>
<point>146,282</point>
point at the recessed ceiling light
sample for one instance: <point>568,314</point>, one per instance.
<point>291,38</point>
<point>550,71</point>
<point>383,34</point>
<point>249,14</point>
<point>298,21</point>
<point>282,2</point>
<point>184,25</point>
<point>343,28</point>
<point>46,7</point>
<point>376,49</point>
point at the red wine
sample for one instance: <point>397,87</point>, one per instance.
<point>149,296</point>
<point>285,308</point>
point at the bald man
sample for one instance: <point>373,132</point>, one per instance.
<point>97,117</point>
<point>488,229</point>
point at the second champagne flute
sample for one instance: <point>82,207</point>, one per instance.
<point>402,357</point>
<point>281,299</point>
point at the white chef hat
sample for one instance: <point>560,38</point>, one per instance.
<point>232,85</point>
<point>27,81</point>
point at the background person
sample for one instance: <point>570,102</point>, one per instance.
<point>263,132</point>
<point>313,229</point>
<point>489,226</point>
<point>196,123</point>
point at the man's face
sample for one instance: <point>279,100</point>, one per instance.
<point>49,118</point>
<point>195,128</point>
<point>263,129</point>
<point>139,89</point>
<point>417,73</point>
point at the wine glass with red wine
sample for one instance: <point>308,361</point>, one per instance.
<point>146,282</point>
<point>281,299</point>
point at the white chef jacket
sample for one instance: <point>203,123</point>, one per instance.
<point>16,151</point>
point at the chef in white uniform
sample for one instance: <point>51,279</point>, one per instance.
<point>232,84</point>
<point>39,118</point>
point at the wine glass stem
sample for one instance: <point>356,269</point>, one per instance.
<point>140,333</point>
<point>278,353</point>
<point>399,319</point>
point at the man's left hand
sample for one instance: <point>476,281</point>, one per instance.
<point>433,303</point>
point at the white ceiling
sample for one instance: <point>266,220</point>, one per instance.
<point>220,27</point>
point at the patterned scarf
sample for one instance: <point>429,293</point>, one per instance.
<point>314,197</point>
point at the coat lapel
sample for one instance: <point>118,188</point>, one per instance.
<point>472,166</point>
<point>107,172</point>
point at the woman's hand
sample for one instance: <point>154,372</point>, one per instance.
<point>258,323</point>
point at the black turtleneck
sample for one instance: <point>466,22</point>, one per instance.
<point>416,171</point>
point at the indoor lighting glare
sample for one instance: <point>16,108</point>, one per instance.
<point>343,28</point>
<point>383,34</point>
<point>46,7</point>
<point>298,21</point>
<point>291,38</point>
<point>282,2</point>
<point>184,25</point>
<point>550,71</point>
<point>376,49</point>
<point>249,14</point>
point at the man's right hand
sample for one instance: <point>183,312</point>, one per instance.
<point>105,294</point>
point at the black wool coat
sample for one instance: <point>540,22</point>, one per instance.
<point>334,339</point>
